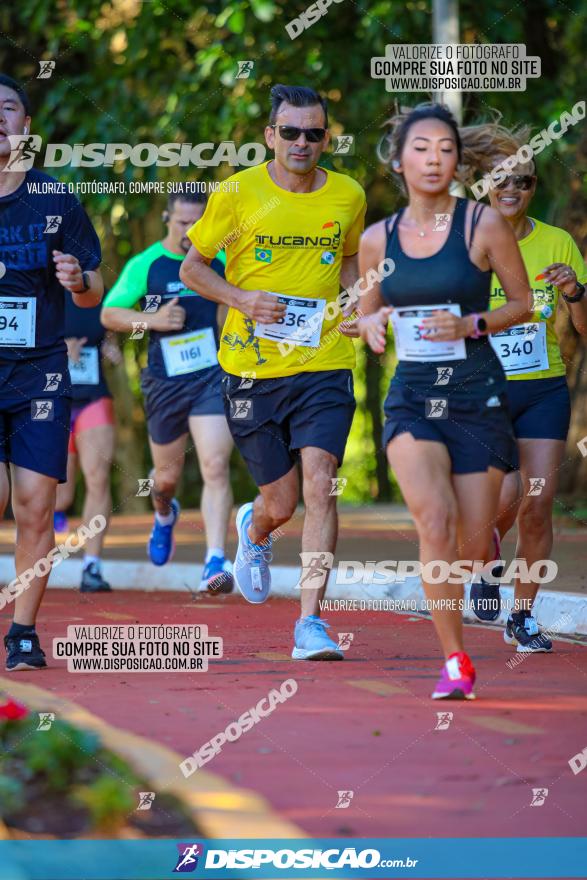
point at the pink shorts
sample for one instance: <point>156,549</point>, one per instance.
<point>92,415</point>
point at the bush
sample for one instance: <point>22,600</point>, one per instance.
<point>108,802</point>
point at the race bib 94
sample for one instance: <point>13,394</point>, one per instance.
<point>18,316</point>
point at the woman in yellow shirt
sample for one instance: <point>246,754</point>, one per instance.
<point>530,354</point>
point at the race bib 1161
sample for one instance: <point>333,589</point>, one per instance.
<point>188,352</point>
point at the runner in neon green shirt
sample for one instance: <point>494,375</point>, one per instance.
<point>181,385</point>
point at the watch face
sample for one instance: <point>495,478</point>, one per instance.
<point>481,325</point>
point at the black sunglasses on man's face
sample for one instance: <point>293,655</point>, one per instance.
<point>291,133</point>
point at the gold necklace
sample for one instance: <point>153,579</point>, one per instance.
<point>422,232</point>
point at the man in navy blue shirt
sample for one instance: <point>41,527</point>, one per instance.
<point>47,243</point>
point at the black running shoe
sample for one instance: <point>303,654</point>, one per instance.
<point>485,600</point>
<point>93,582</point>
<point>24,652</point>
<point>522,630</point>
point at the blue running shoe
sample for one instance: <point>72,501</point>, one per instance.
<point>217,576</point>
<point>60,524</point>
<point>485,600</point>
<point>161,544</point>
<point>312,642</point>
<point>522,630</point>
<point>251,566</point>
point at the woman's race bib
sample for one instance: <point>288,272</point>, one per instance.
<point>522,348</point>
<point>411,345</point>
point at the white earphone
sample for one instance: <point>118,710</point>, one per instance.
<point>25,130</point>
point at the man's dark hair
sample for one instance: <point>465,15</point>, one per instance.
<point>297,96</point>
<point>10,83</point>
<point>194,198</point>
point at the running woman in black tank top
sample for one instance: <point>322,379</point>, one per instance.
<point>447,434</point>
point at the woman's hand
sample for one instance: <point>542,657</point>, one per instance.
<point>444,326</point>
<point>562,276</point>
<point>372,329</point>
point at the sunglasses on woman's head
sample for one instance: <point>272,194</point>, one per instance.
<point>520,181</point>
<point>291,133</point>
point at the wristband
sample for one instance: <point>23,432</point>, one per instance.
<point>479,325</point>
<point>578,296</point>
<point>86,283</point>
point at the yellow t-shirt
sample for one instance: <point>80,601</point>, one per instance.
<point>290,244</point>
<point>545,245</point>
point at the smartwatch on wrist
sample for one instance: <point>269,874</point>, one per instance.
<point>479,325</point>
<point>85,282</point>
<point>577,296</point>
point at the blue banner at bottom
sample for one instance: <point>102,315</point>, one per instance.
<point>368,859</point>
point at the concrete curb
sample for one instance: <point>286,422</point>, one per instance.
<point>561,613</point>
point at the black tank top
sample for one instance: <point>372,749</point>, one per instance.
<point>448,276</point>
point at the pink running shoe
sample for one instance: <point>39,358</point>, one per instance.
<point>457,679</point>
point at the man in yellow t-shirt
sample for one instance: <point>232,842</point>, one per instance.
<point>291,233</point>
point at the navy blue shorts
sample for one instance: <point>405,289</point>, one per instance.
<point>272,419</point>
<point>477,436</point>
<point>35,411</point>
<point>169,403</point>
<point>540,408</point>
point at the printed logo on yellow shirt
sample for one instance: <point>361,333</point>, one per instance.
<point>322,240</point>
<point>235,342</point>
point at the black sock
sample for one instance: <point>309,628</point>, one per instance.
<point>19,629</point>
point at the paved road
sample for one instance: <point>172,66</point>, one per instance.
<point>365,725</point>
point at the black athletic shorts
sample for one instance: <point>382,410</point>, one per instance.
<point>540,408</point>
<point>170,402</point>
<point>272,419</point>
<point>477,433</point>
<point>35,411</point>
